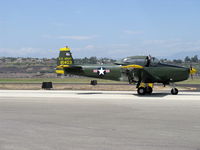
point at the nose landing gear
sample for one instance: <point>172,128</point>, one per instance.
<point>174,91</point>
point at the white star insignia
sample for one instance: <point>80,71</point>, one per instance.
<point>101,71</point>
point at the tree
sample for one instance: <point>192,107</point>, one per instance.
<point>195,59</point>
<point>178,61</point>
<point>187,59</point>
<point>93,60</point>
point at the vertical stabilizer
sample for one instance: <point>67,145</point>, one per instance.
<point>65,57</point>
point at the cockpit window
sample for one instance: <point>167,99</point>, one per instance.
<point>131,60</point>
<point>139,60</point>
<point>155,60</point>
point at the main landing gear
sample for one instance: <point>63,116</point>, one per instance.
<point>145,89</point>
<point>141,91</point>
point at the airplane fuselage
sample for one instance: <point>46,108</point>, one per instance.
<point>161,73</point>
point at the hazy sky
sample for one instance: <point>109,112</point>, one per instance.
<point>102,28</point>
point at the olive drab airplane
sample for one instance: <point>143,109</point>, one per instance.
<point>143,70</point>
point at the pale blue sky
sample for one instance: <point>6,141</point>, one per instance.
<point>102,28</point>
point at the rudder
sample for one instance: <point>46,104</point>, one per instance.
<point>65,57</point>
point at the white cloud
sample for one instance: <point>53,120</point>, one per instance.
<point>174,44</point>
<point>89,47</point>
<point>86,48</point>
<point>76,37</point>
<point>152,42</point>
<point>120,45</point>
<point>71,37</point>
<point>156,47</point>
<point>23,52</point>
<point>161,48</point>
<point>170,46</point>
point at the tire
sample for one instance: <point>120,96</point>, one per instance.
<point>149,90</point>
<point>141,91</point>
<point>174,91</point>
<point>47,85</point>
<point>93,82</point>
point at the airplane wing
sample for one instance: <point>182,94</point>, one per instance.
<point>138,73</point>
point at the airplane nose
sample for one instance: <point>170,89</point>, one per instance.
<point>193,70</point>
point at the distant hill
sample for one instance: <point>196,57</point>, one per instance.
<point>183,54</point>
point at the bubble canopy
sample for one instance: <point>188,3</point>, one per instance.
<point>139,60</point>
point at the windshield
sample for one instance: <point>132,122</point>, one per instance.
<point>131,60</point>
<point>154,60</point>
<point>139,60</point>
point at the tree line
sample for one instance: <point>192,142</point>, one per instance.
<point>187,59</point>
<point>85,60</point>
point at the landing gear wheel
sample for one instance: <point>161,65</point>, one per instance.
<point>174,91</point>
<point>141,90</point>
<point>149,90</point>
<point>93,82</point>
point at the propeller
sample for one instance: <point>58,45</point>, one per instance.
<point>192,71</point>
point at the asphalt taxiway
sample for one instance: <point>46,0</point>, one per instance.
<point>88,120</point>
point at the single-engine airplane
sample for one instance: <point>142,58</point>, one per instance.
<point>143,70</point>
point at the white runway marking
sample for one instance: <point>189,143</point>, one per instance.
<point>98,94</point>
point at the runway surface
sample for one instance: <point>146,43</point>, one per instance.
<point>96,120</point>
